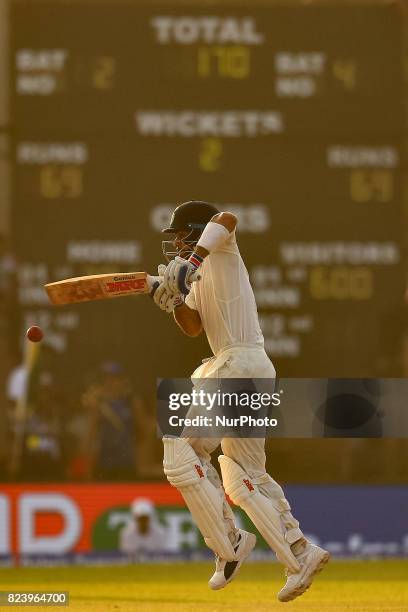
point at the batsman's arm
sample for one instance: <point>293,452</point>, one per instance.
<point>188,320</point>
<point>227,219</point>
<point>178,275</point>
<point>211,237</point>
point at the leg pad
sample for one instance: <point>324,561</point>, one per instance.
<point>185,472</point>
<point>264,512</point>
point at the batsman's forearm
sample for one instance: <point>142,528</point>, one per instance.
<point>188,320</point>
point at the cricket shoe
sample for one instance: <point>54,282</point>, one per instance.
<point>225,571</point>
<point>311,562</point>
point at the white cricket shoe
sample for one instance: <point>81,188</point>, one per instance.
<point>225,571</point>
<point>311,562</point>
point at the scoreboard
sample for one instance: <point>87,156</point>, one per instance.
<point>290,116</point>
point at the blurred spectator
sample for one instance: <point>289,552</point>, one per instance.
<point>16,383</point>
<point>76,440</point>
<point>42,453</point>
<point>112,424</point>
<point>143,532</point>
<point>149,447</point>
<point>16,389</point>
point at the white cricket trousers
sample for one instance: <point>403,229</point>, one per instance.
<point>238,361</point>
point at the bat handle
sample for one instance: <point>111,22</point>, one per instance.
<point>153,282</point>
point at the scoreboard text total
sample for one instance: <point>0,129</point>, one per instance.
<point>290,116</point>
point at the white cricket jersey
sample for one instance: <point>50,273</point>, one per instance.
<point>224,299</point>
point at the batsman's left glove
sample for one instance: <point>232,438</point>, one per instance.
<point>180,273</point>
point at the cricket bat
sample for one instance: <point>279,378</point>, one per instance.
<point>101,287</point>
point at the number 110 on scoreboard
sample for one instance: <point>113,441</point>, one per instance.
<point>224,61</point>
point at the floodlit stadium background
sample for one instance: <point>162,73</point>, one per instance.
<point>293,116</point>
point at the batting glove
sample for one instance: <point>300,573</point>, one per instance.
<point>165,300</point>
<point>161,296</point>
<point>178,274</point>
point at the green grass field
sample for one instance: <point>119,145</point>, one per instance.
<point>370,586</point>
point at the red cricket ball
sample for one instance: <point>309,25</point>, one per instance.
<point>34,333</point>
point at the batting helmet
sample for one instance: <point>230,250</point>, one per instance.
<point>191,217</point>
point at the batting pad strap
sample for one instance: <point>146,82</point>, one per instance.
<point>283,505</point>
<point>293,535</point>
<point>213,236</point>
<point>261,510</point>
<point>260,480</point>
<point>185,472</point>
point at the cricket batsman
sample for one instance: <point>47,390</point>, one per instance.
<point>222,304</point>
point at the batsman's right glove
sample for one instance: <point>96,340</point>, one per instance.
<point>162,297</point>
